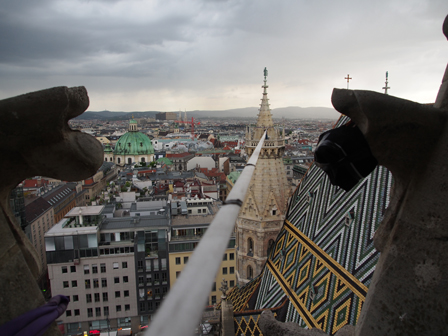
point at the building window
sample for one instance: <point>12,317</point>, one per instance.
<point>75,298</point>
<point>213,299</point>
<point>103,268</point>
<point>87,282</point>
<point>127,307</point>
<point>164,277</point>
<point>250,245</point>
<point>124,264</point>
<point>177,274</point>
<point>224,270</point>
<point>232,270</point>
<point>126,293</point>
<point>141,280</point>
<point>250,272</point>
<point>177,260</point>
<point>65,284</point>
<point>118,308</point>
<point>88,298</point>
<point>224,258</point>
<point>117,294</point>
<point>64,269</point>
<point>74,283</point>
<point>72,269</point>
<point>106,311</point>
<point>95,283</point>
<point>89,312</point>
<point>231,256</point>
<point>232,283</point>
<point>76,312</point>
<point>68,313</point>
<point>105,297</point>
<point>97,297</point>
<point>103,282</point>
<point>117,280</point>
<point>214,287</point>
<point>115,265</point>
<point>140,265</point>
<point>125,279</point>
<point>86,269</point>
<point>185,260</point>
<point>97,311</point>
<point>94,269</point>
<point>142,306</point>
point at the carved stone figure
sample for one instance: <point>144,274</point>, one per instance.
<point>36,140</point>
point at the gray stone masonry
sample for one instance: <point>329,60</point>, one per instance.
<point>36,140</point>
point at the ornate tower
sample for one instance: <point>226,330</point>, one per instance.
<point>264,208</point>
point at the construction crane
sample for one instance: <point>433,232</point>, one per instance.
<point>192,123</point>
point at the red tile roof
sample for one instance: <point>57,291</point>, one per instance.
<point>34,183</point>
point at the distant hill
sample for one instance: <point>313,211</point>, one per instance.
<point>110,115</point>
<point>291,112</point>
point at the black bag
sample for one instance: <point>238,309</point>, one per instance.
<point>344,154</point>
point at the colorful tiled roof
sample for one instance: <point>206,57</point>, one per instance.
<point>240,296</point>
<point>324,256</point>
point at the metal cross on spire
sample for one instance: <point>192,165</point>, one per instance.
<point>348,79</point>
<point>387,82</point>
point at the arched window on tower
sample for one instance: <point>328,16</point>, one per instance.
<point>250,272</point>
<point>129,160</point>
<point>142,159</point>
<point>250,247</point>
<point>118,160</point>
<point>105,159</point>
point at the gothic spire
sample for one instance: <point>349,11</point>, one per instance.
<point>264,115</point>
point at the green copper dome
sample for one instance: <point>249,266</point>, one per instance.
<point>133,143</point>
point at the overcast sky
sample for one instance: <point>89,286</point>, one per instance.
<point>167,55</point>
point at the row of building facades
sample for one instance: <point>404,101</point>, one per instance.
<point>117,270</point>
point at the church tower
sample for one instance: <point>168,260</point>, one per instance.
<point>264,208</point>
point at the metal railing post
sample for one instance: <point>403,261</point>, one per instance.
<point>181,311</point>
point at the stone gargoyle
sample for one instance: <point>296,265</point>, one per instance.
<point>36,140</point>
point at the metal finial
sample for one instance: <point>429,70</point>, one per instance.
<point>387,82</point>
<point>265,73</point>
<point>348,80</point>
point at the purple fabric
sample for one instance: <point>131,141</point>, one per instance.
<point>36,321</point>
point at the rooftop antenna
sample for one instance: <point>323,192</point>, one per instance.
<point>387,82</point>
<point>348,79</point>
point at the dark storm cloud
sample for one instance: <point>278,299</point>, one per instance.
<point>212,53</point>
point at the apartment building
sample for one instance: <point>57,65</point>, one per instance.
<point>40,218</point>
<point>114,269</point>
<point>186,231</point>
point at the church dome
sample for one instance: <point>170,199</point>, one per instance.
<point>133,142</point>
